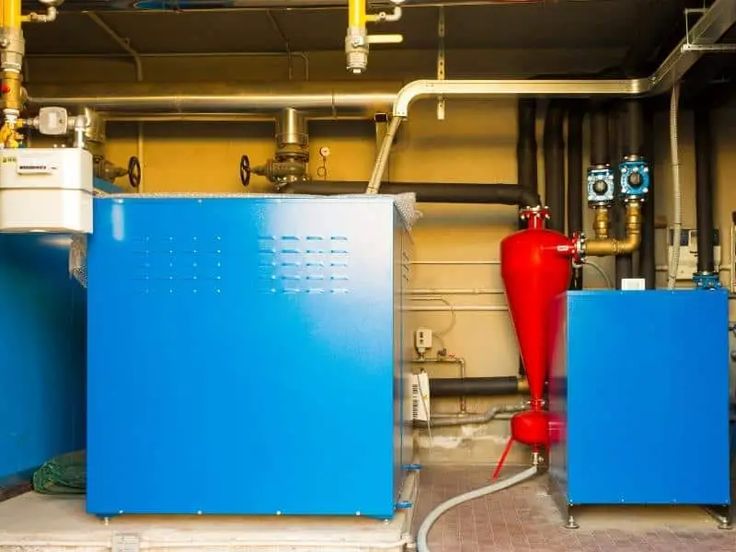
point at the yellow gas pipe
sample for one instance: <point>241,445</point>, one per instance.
<point>11,58</point>
<point>12,50</point>
<point>357,40</point>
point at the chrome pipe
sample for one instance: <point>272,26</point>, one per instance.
<point>314,99</point>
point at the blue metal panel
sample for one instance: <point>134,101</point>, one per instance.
<point>646,412</point>
<point>260,375</point>
<point>42,322</point>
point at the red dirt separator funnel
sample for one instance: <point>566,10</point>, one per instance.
<point>535,266</point>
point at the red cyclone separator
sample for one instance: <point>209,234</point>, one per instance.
<point>535,267</point>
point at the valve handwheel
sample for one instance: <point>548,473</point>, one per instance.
<point>134,172</point>
<point>245,170</point>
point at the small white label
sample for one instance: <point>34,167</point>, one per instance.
<point>33,165</point>
<point>633,284</point>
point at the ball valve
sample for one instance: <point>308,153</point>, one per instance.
<point>357,39</point>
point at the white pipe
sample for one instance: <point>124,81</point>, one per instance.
<point>435,514</point>
<point>676,188</point>
<point>461,308</point>
<point>462,419</point>
<point>454,291</point>
<point>454,262</point>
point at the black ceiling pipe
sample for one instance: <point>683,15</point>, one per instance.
<point>440,192</point>
<point>575,179</point>
<point>554,164</point>
<point>526,156</point>
<point>633,128</point>
<point>466,387</point>
<point>599,151</point>
<point>526,144</point>
<point>704,190</point>
<point>647,264</point>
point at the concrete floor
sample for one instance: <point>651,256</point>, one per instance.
<point>525,518</point>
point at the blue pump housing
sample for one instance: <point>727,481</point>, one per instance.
<point>640,419</point>
<point>263,370</point>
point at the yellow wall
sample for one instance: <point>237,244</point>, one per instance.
<point>476,143</point>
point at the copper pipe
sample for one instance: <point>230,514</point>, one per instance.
<point>612,246</point>
<point>600,222</point>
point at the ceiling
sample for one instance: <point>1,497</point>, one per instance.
<point>613,36</point>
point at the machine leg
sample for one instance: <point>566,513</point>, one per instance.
<point>571,523</point>
<point>722,514</point>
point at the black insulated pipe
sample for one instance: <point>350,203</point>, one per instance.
<point>575,179</point>
<point>624,264</point>
<point>704,191</point>
<point>526,144</point>
<point>497,194</point>
<point>633,128</point>
<point>467,387</point>
<point>599,153</point>
<point>554,165</point>
<point>647,264</point>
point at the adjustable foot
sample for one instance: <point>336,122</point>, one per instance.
<point>722,514</point>
<point>571,523</point>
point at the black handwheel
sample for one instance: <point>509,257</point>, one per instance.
<point>245,170</point>
<point>134,172</point>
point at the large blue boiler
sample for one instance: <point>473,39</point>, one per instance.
<point>246,355</point>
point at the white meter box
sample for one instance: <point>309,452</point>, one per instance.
<point>46,190</point>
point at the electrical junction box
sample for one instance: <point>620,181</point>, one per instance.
<point>643,420</point>
<point>688,261</point>
<point>46,190</point>
<point>423,340</point>
<point>239,305</point>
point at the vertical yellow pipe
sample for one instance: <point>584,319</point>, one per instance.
<point>356,13</point>
<point>10,13</point>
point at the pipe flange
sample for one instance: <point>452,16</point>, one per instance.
<point>538,211</point>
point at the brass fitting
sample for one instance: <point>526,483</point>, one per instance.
<point>612,246</point>
<point>600,222</point>
<point>12,91</point>
<point>522,385</point>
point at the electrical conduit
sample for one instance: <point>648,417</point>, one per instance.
<point>676,189</point>
<point>374,184</point>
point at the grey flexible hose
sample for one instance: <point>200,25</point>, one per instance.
<point>676,187</point>
<point>435,514</point>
